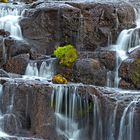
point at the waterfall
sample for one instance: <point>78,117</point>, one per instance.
<point>46,69</point>
<point>2,133</point>
<point>32,69</point>
<point>127,122</point>
<point>9,21</point>
<point>97,120</point>
<point>69,109</point>
<point>127,41</point>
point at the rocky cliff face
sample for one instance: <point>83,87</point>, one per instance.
<point>85,25</point>
<point>27,106</point>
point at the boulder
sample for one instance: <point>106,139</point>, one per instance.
<point>29,102</point>
<point>41,25</point>
<point>84,25</point>
<point>17,64</point>
<point>129,70</point>
<point>4,33</point>
<point>89,71</point>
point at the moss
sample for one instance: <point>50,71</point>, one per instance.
<point>59,79</point>
<point>67,55</point>
<point>135,72</point>
<point>4,1</point>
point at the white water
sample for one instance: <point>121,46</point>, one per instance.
<point>68,107</point>
<point>97,120</point>
<point>9,21</point>
<point>127,122</point>
<point>46,70</point>
<point>127,41</point>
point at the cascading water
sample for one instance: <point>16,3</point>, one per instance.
<point>98,123</point>
<point>126,131</point>
<point>2,134</point>
<point>9,21</point>
<point>127,41</point>
<point>46,69</point>
<point>69,108</point>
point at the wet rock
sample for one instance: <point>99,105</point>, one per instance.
<point>100,23</point>
<point>41,26</point>
<point>17,64</point>
<point>4,33</point>
<point>130,69</point>
<point>30,102</point>
<point>126,85</point>
<point>84,25</point>
<point>89,71</point>
<point>16,47</point>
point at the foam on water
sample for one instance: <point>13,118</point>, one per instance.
<point>9,21</point>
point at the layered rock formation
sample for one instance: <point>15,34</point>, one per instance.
<point>85,25</point>
<point>27,105</point>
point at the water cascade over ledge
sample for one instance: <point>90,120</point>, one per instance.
<point>32,107</point>
<point>9,17</point>
<point>127,41</point>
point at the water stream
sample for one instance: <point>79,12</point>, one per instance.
<point>44,70</point>
<point>127,41</point>
<point>75,114</point>
<point>9,21</point>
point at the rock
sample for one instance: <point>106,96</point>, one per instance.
<point>84,25</point>
<point>105,56</point>
<point>4,33</point>
<point>16,47</point>
<point>59,79</point>
<point>100,21</point>
<point>29,102</point>
<point>129,70</point>
<point>17,64</point>
<point>31,107</point>
<point>40,27</point>
<point>89,71</point>
<point>126,85</point>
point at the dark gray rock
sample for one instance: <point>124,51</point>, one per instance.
<point>85,25</point>
<point>89,71</point>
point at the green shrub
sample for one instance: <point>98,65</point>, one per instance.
<point>67,55</point>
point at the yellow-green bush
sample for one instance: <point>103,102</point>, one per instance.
<point>59,79</point>
<point>67,55</point>
<point>5,1</point>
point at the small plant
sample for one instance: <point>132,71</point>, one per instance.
<point>67,55</point>
<point>4,1</point>
<point>59,79</point>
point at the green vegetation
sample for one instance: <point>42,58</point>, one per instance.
<point>59,79</point>
<point>4,1</point>
<point>67,55</point>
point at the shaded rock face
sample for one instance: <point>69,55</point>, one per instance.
<point>87,26</point>
<point>89,71</point>
<point>17,64</point>
<point>129,71</point>
<point>28,107</point>
<point>105,56</point>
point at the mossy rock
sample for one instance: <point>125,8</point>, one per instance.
<point>134,72</point>
<point>59,79</point>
